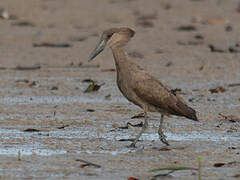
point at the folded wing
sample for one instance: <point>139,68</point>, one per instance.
<point>152,91</point>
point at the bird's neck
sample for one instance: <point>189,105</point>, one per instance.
<point>120,57</point>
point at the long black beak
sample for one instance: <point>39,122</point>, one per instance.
<point>99,48</point>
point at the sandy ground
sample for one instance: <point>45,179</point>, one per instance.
<point>172,42</point>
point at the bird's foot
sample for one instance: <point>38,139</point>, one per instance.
<point>162,137</point>
<point>132,145</point>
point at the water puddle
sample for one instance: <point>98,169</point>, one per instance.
<point>11,140</point>
<point>58,100</point>
<point>29,149</point>
<point>195,136</point>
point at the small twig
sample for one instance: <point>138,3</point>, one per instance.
<point>31,130</point>
<point>171,169</point>
<point>174,168</point>
<point>82,66</point>
<point>52,45</point>
<point>130,124</point>
<point>87,163</point>
<point>234,85</point>
<point>63,126</point>
<point>129,139</point>
<point>25,68</point>
<point>161,175</point>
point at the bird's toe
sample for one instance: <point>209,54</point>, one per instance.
<point>163,139</point>
<point>132,145</point>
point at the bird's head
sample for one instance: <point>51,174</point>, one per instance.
<point>114,37</point>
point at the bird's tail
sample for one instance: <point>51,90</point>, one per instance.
<point>191,114</point>
<point>187,111</point>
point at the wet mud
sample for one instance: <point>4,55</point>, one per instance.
<point>49,126</point>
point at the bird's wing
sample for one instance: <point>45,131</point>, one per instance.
<point>152,91</point>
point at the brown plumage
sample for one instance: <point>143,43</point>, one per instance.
<point>138,86</point>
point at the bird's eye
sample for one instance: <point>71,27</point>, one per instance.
<point>109,36</point>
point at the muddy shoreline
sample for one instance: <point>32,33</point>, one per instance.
<point>48,123</point>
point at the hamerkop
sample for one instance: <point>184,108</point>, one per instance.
<point>138,86</point>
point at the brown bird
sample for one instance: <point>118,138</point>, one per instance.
<point>138,86</point>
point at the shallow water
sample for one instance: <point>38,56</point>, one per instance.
<point>34,147</point>
<point>58,100</point>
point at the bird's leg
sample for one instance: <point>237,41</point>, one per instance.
<point>162,137</point>
<point>145,126</point>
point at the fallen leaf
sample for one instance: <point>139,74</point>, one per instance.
<point>218,164</point>
<point>217,21</point>
<point>217,90</point>
<point>83,165</point>
<point>32,84</point>
<point>87,163</point>
<point>132,178</point>
<point>164,149</point>
<point>93,86</point>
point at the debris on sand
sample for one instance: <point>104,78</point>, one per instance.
<point>27,68</point>
<point>230,118</point>
<point>87,163</point>
<point>187,28</point>
<point>132,125</point>
<point>215,49</point>
<point>93,86</point>
<point>217,90</point>
<point>31,130</point>
<point>52,45</point>
<point>24,24</point>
